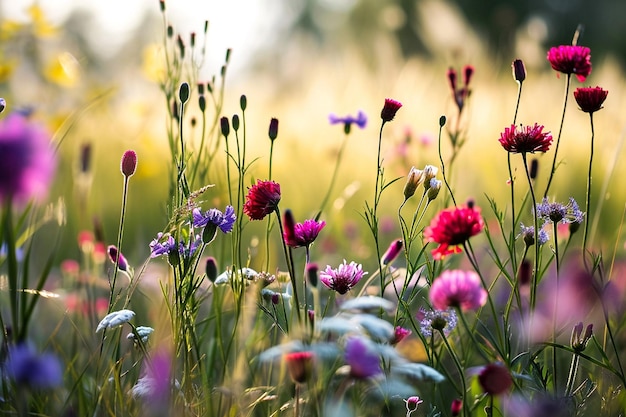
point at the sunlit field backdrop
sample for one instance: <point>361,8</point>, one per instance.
<point>96,109</point>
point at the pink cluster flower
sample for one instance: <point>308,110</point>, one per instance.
<point>457,288</point>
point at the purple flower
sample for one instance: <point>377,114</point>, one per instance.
<point>122,264</point>
<point>438,320</point>
<point>162,245</point>
<point>528,235</point>
<point>360,120</point>
<point>362,357</point>
<point>27,161</point>
<point>224,221</point>
<point>300,234</point>
<point>557,212</point>
<point>28,368</point>
<point>343,278</point>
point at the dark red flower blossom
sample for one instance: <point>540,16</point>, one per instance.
<point>571,59</point>
<point>452,227</point>
<point>390,109</point>
<point>524,139</point>
<point>590,99</point>
<point>300,365</point>
<point>495,379</point>
<point>262,199</point>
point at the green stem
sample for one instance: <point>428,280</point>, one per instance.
<point>588,203</point>
<point>334,176</point>
<point>535,277</point>
<point>558,138</point>
<point>119,243</point>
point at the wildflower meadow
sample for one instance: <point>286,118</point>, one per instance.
<point>224,268</point>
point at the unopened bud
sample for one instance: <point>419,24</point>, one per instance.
<point>433,190</point>
<point>413,180</point>
<point>273,130</point>
<point>202,103</point>
<point>456,407</point>
<point>534,167</point>
<point>116,257</point>
<point>430,172</point>
<point>211,268</point>
<point>519,70</point>
<point>243,102</point>
<point>312,271</point>
<point>442,121</point>
<point>85,158</point>
<point>235,122</point>
<point>200,88</point>
<point>183,92</point>
<point>129,163</point>
<point>225,126</point>
<point>468,71</point>
<point>192,39</point>
<point>392,252</point>
<point>162,5</point>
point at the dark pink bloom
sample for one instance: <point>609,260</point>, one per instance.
<point>392,252</point>
<point>571,59</point>
<point>122,264</point>
<point>460,95</point>
<point>495,379</point>
<point>299,365</point>
<point>457,288</point>
<point>362,357</point>
<point>343,278</point>
<point>453,227</point>
<point>456,407</point>
<point>525,139</point>
<point>300,234</point>
<point>399,334</point>
<point>262,199</point>
<point>590,99</point>
<point>390,109</point>
<point>129,163</point>
<point>27,161</point>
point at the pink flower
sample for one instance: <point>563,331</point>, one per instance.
<point>458,288</point>
<point>495,379</point>
<point>300,234</point>
<point>524,139</point>
<point>27,161</point>
<point>453,227</point>
<point>571,59</point>
<point>390,109</point>
<point>392,252</point>
<point>262,199</point>
<point>343,278</point>
<point>399,334</point>
<point>129,163</point>
<point>590,99</point>
<point>299,365</point>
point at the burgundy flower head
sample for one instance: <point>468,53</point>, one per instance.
<point>523,139</point>
<point>571,59</point>
<point>301,234</point>
<point>495,379</point>
<point>590,99</point>
<point>300,365</point>
<point>458,288</point>
<point>262,199</point>
<point>390,109</point>
<point>452,227</point>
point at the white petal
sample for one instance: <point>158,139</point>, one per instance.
<point>114,319</point>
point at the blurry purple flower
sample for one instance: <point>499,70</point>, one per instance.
<point>162,245</point>
<point>557,212</point>
<point>438,320</point>
<point>361,355</point>
<point>224,221</point>
<point>538,405</point>
<point>360,120</point>
<point>27,368</point>
<point>156,384</point>
<point>27,161</point>
<point>457,288</point>
<point>343,278</point>
<point>495,379</point>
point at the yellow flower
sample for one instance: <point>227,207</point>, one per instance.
<point>41,27</point>
<point>64,70</point>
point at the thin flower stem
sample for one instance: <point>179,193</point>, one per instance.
<point>443,167</point>
<point>588,203</point>
<point>290,267</point>
<point>459,368</point>
<point>119,244</point>
<point>374,212</point>
<point>558,138</point>
<point>512,180</point>
<point>535,276</point>
<point>571,377</point>
<point>556,306</point>
<point>333,179</point>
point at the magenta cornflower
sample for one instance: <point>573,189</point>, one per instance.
<point>453,227</point>
<point>523,139</point>
<point>390,109</point>
<point>343,278</point>
<point>399,334</point>
<point>27,159</point>
<point>300,234</point>
<point>262,199</point>
<point>590,99</point>
<point>362,357</point>
<point>457,288</point>
<point>571,59</point>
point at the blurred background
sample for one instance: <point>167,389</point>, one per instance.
<point>91,71</point>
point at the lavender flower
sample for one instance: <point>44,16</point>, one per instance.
<point>361,355</point>
<point>27,368</point>
<point>557,212</point>
<point>444,320</point>
<point>162,245</point>
<point>528,234</point>
<point>224,221</point>
<point>360,120</point>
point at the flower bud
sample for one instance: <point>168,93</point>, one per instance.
<point>534,167</point>
<point>442,121</point>
<point>413,180</point>
<point>211,268</point>
<point>129,163</point>
<point>273,130</point>
<point>519,70</point>
<point>235,122</point>
<point>300,366</point>
<point>114,254</point>
<point>85,158</point>
<point>312,271</point>
<point>392,252</point>
<point>390,109</point>
<point>430,172</point>
<point>3,104</point>
<point>202,103</point>
<point>243,102</point>
<point>200,88</point>
<point>456,407</point>
<point>225,126</point>
<point>412,403</point>
<point>183,92</point>
<point>433,190</point>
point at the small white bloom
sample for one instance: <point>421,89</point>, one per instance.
<point>143,332</point>
<point>224,278</point>
<point>114,319</point>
